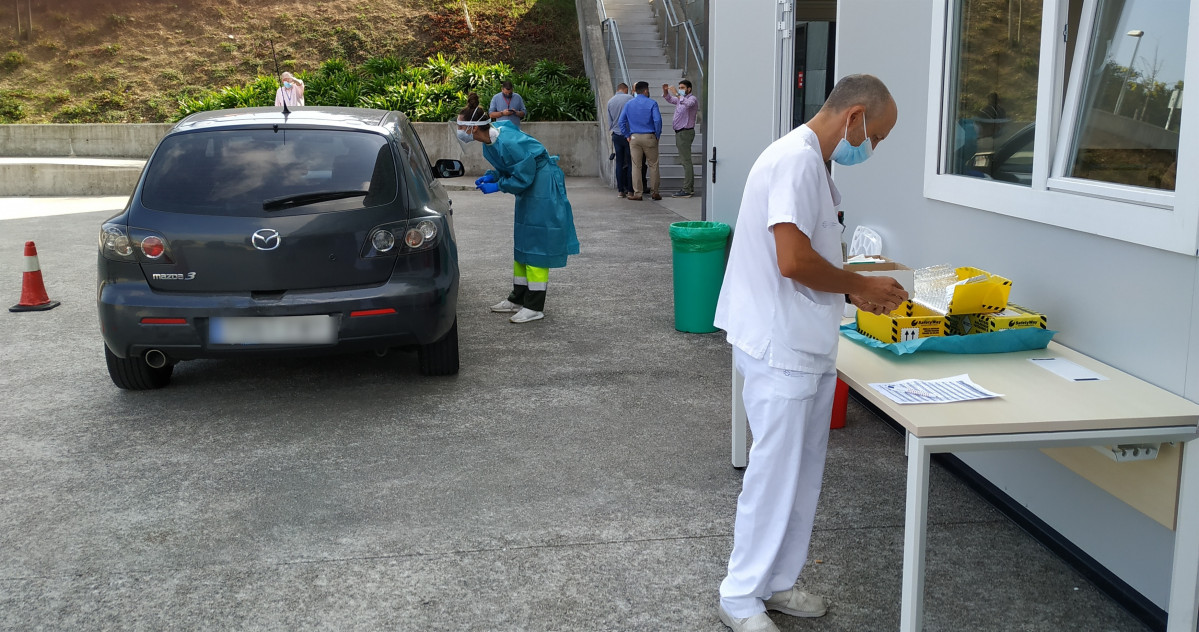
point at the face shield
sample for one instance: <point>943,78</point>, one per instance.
<point>464,131</point>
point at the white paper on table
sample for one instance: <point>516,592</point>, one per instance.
<point>1067,369</point>
<point>959,388</point>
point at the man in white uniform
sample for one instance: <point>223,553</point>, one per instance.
<point>781,304</point>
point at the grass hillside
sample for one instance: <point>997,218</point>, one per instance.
<point>127,61</point>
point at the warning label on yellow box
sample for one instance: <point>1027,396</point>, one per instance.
<point>907,322</point>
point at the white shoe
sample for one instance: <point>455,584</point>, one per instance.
<point>796,603</point>
<point>525,315</point>
<point>757,623</point>
<point>505,307</point>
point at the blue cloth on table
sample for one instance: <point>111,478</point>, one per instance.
<point>993,342</point>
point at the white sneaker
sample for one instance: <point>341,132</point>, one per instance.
<point>525,315</point>
<point>796,603</point>
<point>505,307</point>
<point>757,623</point>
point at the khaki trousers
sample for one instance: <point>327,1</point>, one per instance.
<point>644,150</point>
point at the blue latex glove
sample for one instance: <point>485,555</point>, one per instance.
<point>488,187</point>
<point>486,178</point>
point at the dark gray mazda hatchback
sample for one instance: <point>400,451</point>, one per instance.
<point>261,232</point>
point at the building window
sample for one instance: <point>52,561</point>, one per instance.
<point>993,89</point>
<point>1068,113</point>
<point>1129,116</point>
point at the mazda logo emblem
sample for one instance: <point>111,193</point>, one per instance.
<point>266,239</point>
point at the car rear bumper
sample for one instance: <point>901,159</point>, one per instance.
<point>404,311</point>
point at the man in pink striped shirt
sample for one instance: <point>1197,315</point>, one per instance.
<point>686,107</point>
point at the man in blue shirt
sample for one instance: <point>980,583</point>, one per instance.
<point>641,123</point>
<point>620,144</point>
<point>506,105</point>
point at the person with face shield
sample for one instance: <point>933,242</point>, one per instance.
<point>781,305</point>
<point>543,233</point>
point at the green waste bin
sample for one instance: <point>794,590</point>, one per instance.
<point>700,250</point>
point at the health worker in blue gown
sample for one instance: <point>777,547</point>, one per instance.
<point>544,230</point>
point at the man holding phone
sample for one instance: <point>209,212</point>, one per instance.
<point>507,105</point>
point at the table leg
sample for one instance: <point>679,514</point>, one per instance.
<point>740,423</point>
<point>1184,579</point>
<point>911,617</point>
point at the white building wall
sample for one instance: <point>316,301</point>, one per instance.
<point>1127,305</point>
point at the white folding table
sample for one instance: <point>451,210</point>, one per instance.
<point>1038,409</point>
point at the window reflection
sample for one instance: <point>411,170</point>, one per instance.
<point>994,89</point>
<point>1127,130</point>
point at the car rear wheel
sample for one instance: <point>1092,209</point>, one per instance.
<point>440,357</point>
<point>134,374</point>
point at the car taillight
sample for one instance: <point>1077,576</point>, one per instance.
<point>383,240</point>
<point>425,232</point>
<point>114,242</point>
<point>153,247</point>
<point>125,244</point>
<point>416,235</point>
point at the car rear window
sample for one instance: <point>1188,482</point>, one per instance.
<point>234,172</point>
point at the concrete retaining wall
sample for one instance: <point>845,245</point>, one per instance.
<point>84,140</point>
<point>575,143</point>
<point>24,177</point>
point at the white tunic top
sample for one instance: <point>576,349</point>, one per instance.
<point>765,314</point>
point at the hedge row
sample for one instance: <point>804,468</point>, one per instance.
<point>434,91</point>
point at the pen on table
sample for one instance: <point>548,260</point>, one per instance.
<point>1086,379</point>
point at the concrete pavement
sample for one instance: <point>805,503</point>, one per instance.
<point>574,476</point>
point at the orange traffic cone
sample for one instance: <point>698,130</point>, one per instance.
<point>33,291</point>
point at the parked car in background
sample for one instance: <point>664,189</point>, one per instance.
<point>257,231</point>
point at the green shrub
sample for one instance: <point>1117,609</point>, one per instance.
<point>382,66</point>
<point>441,68</point>
<point>11,60</point>
<point>11,108</point>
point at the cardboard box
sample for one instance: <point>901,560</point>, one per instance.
<point>908,322</point>
<point>1012,317</point>
<point>897,271</point>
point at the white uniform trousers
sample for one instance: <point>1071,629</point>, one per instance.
<point>789,414</point>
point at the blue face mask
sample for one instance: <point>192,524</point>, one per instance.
<point>286,84</point>
<point>464,136</point>
<point>846,154</point>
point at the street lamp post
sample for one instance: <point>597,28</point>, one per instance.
<point>1123,84</point>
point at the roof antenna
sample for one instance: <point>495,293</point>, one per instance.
<point>275,57</point>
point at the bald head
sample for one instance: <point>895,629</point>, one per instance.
<point>859,107</point>
<point>865,90</point>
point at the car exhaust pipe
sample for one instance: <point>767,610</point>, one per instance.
<point>156,359</point>
<point>381,351</point>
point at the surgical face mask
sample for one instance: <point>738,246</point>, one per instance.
<point>286,84</point>
<point>464,137</point>
<point>846,154</point>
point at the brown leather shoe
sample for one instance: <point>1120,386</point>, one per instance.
<point>655,197</point>
<point>634,197</point>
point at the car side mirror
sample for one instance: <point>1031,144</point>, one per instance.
<point>446,168</point>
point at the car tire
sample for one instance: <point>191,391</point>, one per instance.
<point>440,357</point>
<point>134,374</point>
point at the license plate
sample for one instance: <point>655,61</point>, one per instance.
<point>273,330</point>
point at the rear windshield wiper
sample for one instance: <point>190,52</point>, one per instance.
<point>300,199</point>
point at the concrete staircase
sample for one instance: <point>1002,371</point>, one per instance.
<point>647,61</point>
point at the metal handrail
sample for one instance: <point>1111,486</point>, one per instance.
<point>690,37</point>
<point>612,42</point>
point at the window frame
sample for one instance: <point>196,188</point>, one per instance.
<point>1157,219</point>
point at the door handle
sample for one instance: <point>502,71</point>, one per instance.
<point>713,162</point>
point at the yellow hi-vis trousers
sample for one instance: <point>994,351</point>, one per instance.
<point>528,286</point>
